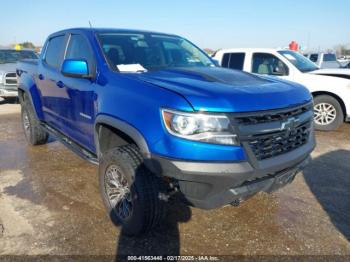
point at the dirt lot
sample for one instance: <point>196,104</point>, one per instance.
<point>50,204</point>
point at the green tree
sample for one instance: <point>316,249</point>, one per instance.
<point>29,45</point>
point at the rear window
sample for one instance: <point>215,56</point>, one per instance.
<point>233,60</point>
<point>314,57</point>
<point>329,57</point>
<point>54,51</point>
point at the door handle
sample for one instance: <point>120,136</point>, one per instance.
<point>41,77</point>
<point>60,84</point>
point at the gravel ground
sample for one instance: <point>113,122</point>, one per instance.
<point>50,204</point>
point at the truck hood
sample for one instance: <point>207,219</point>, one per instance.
<point>10,67</point>
<point>331,71</point>
<point>217,89</point>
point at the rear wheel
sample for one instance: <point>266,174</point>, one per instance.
<point>328,113</point>
<point>129,191</point>
<point>34,133</point>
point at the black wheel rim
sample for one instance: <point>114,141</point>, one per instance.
<point>118,192</point>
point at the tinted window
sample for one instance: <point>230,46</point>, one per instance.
<point>329,57</point>
<point>54,51</point>
<point>237,61</point>
<point>225,60</point>
<point>233,60</point>
<point>267,64</point>
<point>78,48</point>
<point>314,57</point>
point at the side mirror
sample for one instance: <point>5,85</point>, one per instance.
<point>75,68</point>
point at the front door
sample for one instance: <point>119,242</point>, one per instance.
<point>268,64</point>
<point>81,109</point>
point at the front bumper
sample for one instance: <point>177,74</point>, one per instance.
<point>8,93</point>
<point>210,185</point>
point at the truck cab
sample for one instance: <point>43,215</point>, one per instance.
<point>324,60</point>
<point>330,89</point>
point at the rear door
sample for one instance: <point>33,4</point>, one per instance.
<point>81,108</point>
<point>53,97</point>
<point>233,60</point>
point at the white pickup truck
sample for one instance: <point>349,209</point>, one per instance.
<point>331,91</point>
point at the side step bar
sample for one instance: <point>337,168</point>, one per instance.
<point>70,144</point>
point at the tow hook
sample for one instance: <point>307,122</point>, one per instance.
<point>171,191</point>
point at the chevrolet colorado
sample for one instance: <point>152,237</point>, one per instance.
<point>160,118</point>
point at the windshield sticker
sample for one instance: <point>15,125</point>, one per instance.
<point>131,68</point>
<point>290,57</point>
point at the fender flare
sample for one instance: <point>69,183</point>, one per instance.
<point>124,127</point>
<point>29,95</point>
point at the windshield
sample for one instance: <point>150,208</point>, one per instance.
<point>12,56</point>
<point>147,52</point>
<point>300,61</point>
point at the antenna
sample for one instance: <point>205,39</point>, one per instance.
<point>90,24</point>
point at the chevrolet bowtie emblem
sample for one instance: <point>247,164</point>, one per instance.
<point>289,124</point>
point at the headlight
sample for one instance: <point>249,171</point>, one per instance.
<point>199,127</point>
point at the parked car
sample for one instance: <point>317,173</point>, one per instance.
<point>8,78</point>
<point>325,60</point>
<point>329,87</point>
<point>344,61</point>
<point>160,118</point>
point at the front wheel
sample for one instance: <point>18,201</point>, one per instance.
<point>129,191</point>
<point>328,114</point>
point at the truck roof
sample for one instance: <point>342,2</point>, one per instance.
<point>251,49</point>
<point>110,30</point>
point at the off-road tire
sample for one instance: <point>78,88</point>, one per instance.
<point>34,133</point>
<point>339,118</point>
<point>148,210</point>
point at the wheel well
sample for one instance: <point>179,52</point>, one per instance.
<point>110,137</point>
<point>334,96</point>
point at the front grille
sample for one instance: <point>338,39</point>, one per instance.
<point>271,133</point>
<point>11,75</point>
<point>263,117</point>
<point>10,79</point>
<point>274,144</point>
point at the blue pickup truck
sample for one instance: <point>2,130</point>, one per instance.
<point>160,118</point>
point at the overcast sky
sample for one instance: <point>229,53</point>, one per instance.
<point>208,23</point>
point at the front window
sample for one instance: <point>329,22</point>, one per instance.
<point>53,51</point>
<point>299,61</point>
<point>12,56</point>
<point>268,64</point>
<point>147,52</point>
